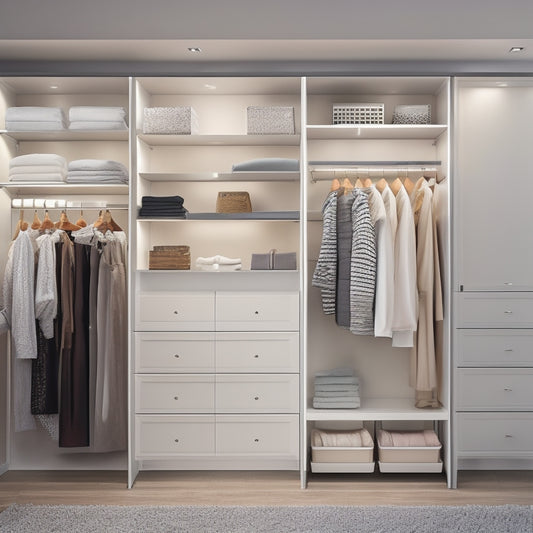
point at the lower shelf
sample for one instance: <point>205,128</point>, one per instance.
<point>410,467</point>
<point>347,468</point>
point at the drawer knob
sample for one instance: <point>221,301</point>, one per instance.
<point>256,440</point>
<point>176,440</point>
<point>177,355</point>
<point>508,283</point>
<point>175,312</point>
<point>176,397</point>
<point>508,312</point>
<point>508,350</point>
<point>256,312</point>
<point>508,436</point>
<point>507,389</point>
<point>256,398</point>
<point>256,356</point>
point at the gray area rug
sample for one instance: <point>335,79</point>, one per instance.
<point>240,519</point>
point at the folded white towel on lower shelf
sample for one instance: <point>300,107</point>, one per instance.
<point>38,160</point>
<point>43,176</point>
<point>219,268</point>
<point>354,404</point>
<point>97,126</point>
<point>96,165</point>
<point>93,113</point>
<point>42,125</point>
<point>35,114</point>
<point>218,260</point>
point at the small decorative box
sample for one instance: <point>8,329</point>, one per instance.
<point>170,120</point>
<point>270,120</point>
<point>358,113</point>
<point>412,114</point>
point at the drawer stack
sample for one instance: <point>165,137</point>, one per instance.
<point>217,379</point>
<point>494,379</point>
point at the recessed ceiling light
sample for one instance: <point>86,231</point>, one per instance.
<point>209,86</point>
<point>502,84</point>
<point>54,86</point>
<point>194,49</point>
<point>517,49</point>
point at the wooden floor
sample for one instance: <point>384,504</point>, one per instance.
<point>263,488</point>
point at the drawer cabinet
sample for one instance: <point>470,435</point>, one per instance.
<point>175,393</point>
<point>262,393</point>
<point>267,435</point>
<point>495,389</point>
<point>257,352</point>
<point>494,347</point>
<point>176,311</point>
<point>171,352</point>
<point>495,434</point>
<point>158,437</point>
<point>257,311</point>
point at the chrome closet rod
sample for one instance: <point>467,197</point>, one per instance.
<point>58,204</point>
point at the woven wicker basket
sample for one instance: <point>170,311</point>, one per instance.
<point>233,202</point>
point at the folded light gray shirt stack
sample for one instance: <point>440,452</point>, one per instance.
<point>336,389</point>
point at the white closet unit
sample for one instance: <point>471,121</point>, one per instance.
<point>220,348</point>
<point>493,274</point>
<point>371,151</point>
<point>35,449</point>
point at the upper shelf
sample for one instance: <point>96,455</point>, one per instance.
<point>220,176</point>
<point>27,188</point>
<point>376,131</point>
<point>219,140</point>
<point>68,135</point>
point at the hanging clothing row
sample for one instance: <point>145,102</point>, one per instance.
<point>65,302</point>
<point>378,269</point>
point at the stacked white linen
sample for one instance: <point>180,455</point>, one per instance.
<point>336,389</point>
<point>33,118</point>
<point>97,171</point>
<point>218,263</point>
<point>97,118</point>
<point>38,167</point>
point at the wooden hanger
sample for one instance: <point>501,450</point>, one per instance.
<point>81,221</point>
<point>381,185</point>
<point>65,224</point>
<point>408,184</point>
<point>396,185</point>
<point>367,182</point>
<point>21,224</point>
<point>359,183</point>
<point>36,224</point>
<point>347,185</point>
<point>100,223</point>
<point>111,224</point>
<point>47,222</point>
<point>335,185</point>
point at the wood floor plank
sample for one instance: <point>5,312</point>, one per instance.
<point>262,488</point>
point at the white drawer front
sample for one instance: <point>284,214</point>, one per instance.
<point>167,436</point>
<point>163,352</point>
<point>257,352</point>
<point>269,435</point>
<point>175,394</point>
<point>257,311</point>
<point>497,347</point>
<point>176,311</point>
<point>263,393</point>
<point>495,389</point>
<point>495,434</point>
<point>482,310</point>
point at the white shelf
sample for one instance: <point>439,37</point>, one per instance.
<point>219,140</point>
<point>380,409</point>
<point>275,216</point>
<point>68,135</point>
<point>375,131</point>
<point>219,176</point>
<point>21,189</point>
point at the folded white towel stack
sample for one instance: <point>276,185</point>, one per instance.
<point>218,263</point>
<point>97,118</point>
<point>32,118</point>
<point>336,389</point>
<point>38,167</point>
<point>97,171</point>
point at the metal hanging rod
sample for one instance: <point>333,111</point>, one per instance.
<point>59,204</point>
<point>353,164</point>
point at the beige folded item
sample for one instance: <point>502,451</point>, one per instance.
<point>404,439</point>
<point>341,438</point>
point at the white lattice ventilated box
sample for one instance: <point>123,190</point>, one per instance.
<point>270,120</point>
<point>358,113</point>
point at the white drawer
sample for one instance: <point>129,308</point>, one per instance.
<point>493,310</point>
<point>175,394</point>
<point>262,393</point>
<point>163,352</point>
<point>257,311</point>
<point>166,436</point>
<point>269,435</point>
<point>496,347</point>
<point>495,389</point>
<point>176,311</point>
<point>495,434</point>
<point>257,352</point>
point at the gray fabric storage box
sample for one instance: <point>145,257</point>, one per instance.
<point>270,120</point>
<point>262,261</point>
<point>170,120</point>
<point>284,261</point>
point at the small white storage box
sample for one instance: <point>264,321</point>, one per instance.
<point>358,113</point>
<point>170,120</point>
<point>273,120</point>
<point>342,455</point>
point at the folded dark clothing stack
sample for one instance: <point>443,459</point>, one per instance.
<point>162,207</point>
